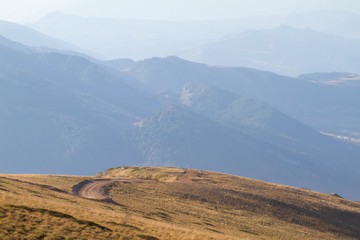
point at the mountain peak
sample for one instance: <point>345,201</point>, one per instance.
<point>58,15</point>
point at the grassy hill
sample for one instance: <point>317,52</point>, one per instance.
<point>171,203</point>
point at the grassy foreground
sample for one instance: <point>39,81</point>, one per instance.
<point>171,203</point>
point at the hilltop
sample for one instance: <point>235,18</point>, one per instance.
<point>169,203</point>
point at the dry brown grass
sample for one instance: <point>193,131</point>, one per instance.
<point>170,203</point>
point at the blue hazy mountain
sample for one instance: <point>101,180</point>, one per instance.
<point>135,39</point>
<point>251,116</point>
<point>341,23</point>
<point>323,107</point>
<point>31,37</point>
<point>120,64</point>
<point>261,121</point>
<point>138,39</point>
<point>59,112</point>
<point>285,50</point>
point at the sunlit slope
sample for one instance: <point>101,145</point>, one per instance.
<point>171,203</point>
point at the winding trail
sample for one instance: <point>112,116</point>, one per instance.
<point>96,189</point>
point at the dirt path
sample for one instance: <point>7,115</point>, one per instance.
<point>96,189</point>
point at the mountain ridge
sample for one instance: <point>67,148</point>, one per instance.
<point>78,103</point>
<point>303,101</point>
<point>28,36</point>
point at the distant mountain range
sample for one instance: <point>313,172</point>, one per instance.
<point>28,36</point>
<point>322,41</point>
<point>63,113</point>
<point>284,50</point>
<point>135,39</point>
<point>341,23</point>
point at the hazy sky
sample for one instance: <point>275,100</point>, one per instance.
<point>30,10</point>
